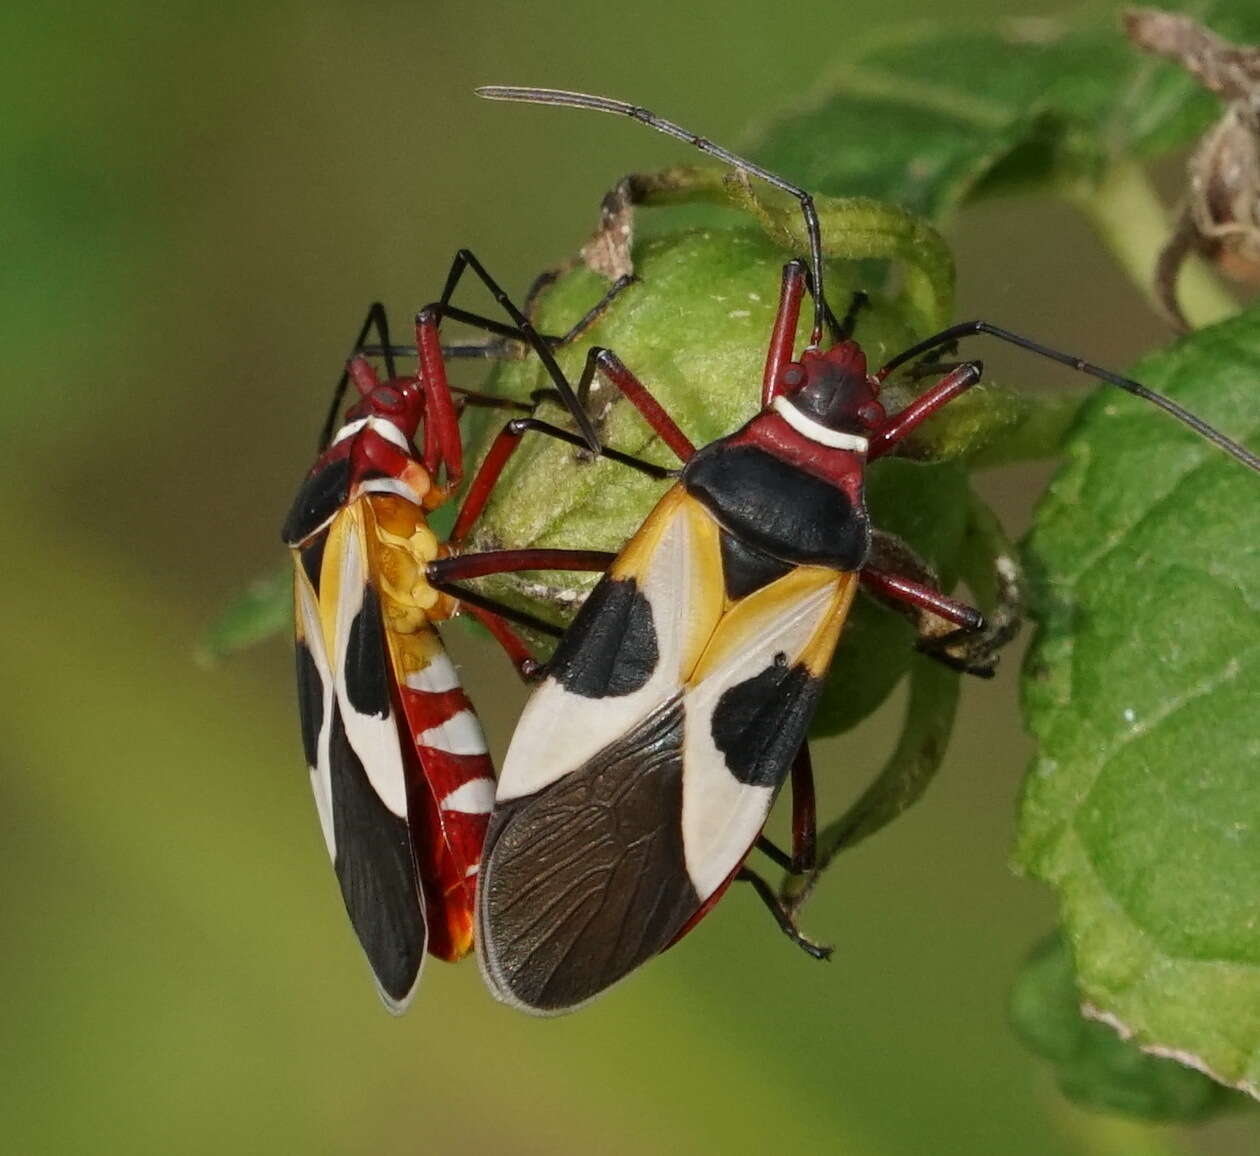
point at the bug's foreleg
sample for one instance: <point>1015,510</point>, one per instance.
<point>953,384</point>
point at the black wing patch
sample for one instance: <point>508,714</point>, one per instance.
<point>376,871</point>
<point>760,723</point>
<point>318,499</point>
<point>365,661</point>
<point>586,880</point>
<point>310,687</point>
<point>312,556</point>
<point>611,648</point>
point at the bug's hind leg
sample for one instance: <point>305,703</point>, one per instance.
<point>782,916</point>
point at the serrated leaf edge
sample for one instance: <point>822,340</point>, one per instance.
<point>1092,1011</point>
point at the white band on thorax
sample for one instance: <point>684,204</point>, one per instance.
<point>815,430</point>
<point>387,429</point>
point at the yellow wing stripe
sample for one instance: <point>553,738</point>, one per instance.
<point>636,556</point>
<point>695,580</point>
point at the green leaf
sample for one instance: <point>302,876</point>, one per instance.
<point>264,610</point>
<point>930,116</point>
<point>695,331</point>
<point>1095,1067</point>
<point>1142,807</point>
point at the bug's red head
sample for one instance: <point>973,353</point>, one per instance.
<point>834,388</point>
<point>399,400</point>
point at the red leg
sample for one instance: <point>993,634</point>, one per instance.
<point>527,666</point>
<point>465,566</point>
<point>952,385</point>
<point>501,451</point>
<point>889,585</point>
<point>446,572</point>
<point>442,445</point>
<point>804,813</point>
<point>609,364</point>
<point>783,338</point>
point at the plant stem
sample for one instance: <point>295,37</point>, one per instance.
<point>1130,218</point>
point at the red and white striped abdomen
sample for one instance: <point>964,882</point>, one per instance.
<point>449,822</point>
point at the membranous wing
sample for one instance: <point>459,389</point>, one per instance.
<point>644,767</point>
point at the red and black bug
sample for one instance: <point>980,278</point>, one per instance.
<point>677,704</point>
<point>402,779</point>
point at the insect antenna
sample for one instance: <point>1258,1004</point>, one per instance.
<point>645,116</point>
<point>1183,415</point>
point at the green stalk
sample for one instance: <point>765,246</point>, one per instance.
<point>1131,221</point>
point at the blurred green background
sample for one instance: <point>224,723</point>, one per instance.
<point>198,204</point>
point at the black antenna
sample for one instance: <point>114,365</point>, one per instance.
<point>972,328</point>
<point>645,116</point>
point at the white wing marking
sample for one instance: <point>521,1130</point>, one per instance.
<point>558,730</point>
<point>375,739</point>
<point>720,815</point>
<point>321,773</point>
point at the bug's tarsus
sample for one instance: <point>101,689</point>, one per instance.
<point>781,916</point>
<point>1128,384</point>
<point>965,651</point>
<point>809,211</point>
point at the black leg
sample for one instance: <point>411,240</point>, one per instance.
<point>766,894</point>
<point>520,617</point>
<point>596,311</point>
<point>464,260</point>
<point>651,469</point>
<point>377,320</point>
<point>843,330</point>
<point>775,854</point>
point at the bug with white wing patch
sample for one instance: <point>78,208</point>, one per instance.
<point>679,701</point>
<point>402,779</point>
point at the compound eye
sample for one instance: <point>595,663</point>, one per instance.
<point>387,399</point>
<point>871,414</point>
<point>793,375</point>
